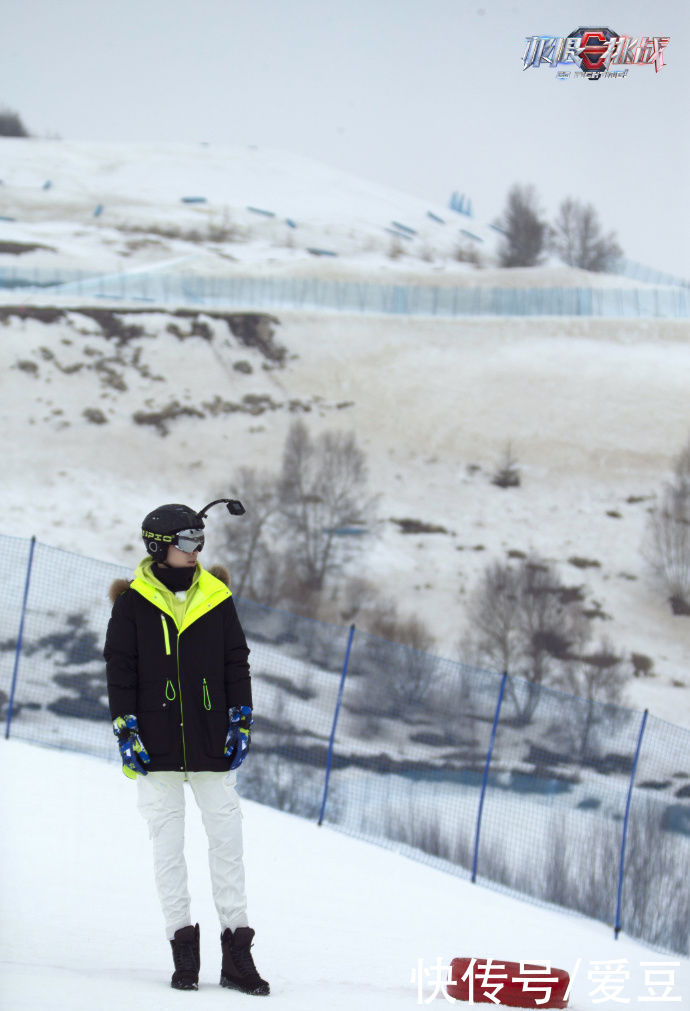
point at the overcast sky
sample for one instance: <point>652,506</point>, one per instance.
<point>428,96</point>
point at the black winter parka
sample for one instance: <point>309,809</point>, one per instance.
<point>178,682</point>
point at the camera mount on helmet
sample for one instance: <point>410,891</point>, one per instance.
<point>233,505</point>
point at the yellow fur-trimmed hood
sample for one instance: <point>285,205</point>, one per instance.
<point>119,586</point>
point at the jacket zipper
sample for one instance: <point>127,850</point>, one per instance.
<point>179,688</point>
<point>206,696</point>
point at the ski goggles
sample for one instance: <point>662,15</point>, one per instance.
<point>189,540</point>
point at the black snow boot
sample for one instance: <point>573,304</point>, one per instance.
<point>185,949</point>
<point>238,971</point>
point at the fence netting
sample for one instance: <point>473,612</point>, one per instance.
<point>657,300</point>
<point>484,775</point>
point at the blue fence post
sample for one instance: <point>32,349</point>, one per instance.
<point>20,636</point>
<point>619,899</point>
<point>335,721</point>
<point>486,775</point>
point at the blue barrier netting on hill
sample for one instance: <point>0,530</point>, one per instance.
<point>563,800</point>
<point>352,296</point>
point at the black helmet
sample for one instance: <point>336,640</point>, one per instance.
<point>163,525</point>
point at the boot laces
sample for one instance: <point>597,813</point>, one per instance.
<point>184,957</point>
<point>242,958</point>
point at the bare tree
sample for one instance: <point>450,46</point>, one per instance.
<point>524,230</point>
<point>526,622</point>
<point>323,499</point>
<point>669,535</point>
<point>301,525</point>
<point>577,238</point>
<point>494,616</point>
<point>596,676</point>
<point>254,567</point>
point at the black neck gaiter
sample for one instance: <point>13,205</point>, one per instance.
<point>174,579</point>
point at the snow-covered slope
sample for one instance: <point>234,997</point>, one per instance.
<point>340,924</point>
<point>96,424</point>
<point>108,207</point>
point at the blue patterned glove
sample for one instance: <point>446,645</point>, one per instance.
<point>237,741</point>
<point>133,752</point>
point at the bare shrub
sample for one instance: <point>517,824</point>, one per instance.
<point>216,231</point>
<point>27,366</point>
<point>643,666</point>
<point>395,248</point>
<point>576,237</point>
<point>413,826</point>
<point>384,622</point>
<point>222,229</point>
<point>580,853</point>
<point>11,124</point>
<point>467,252</point>
<point>656,897</point>
<point>160,420</point>
<point>408,525</point>
<point>94,415</point>
<point>507,474</point>
<point>397,662</point>
<point>355,595</point>
<point>288,786</point>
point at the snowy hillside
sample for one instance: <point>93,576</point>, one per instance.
<point>363,928</point>
<point>107,409</point>
<point>111,207</point>
<point>225,210</point>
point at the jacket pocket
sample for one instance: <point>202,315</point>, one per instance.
<point>214,722</point>
<point>215,733</point>
<point>156,720</point>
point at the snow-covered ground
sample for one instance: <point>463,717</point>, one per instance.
<point>340,924</point>
<point>594,409</point>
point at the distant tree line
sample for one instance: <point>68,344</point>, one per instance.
<point>575,236</point>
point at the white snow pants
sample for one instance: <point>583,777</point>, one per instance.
<point>161,802</point>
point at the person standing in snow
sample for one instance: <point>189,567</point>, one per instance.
<point>180,698</point>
